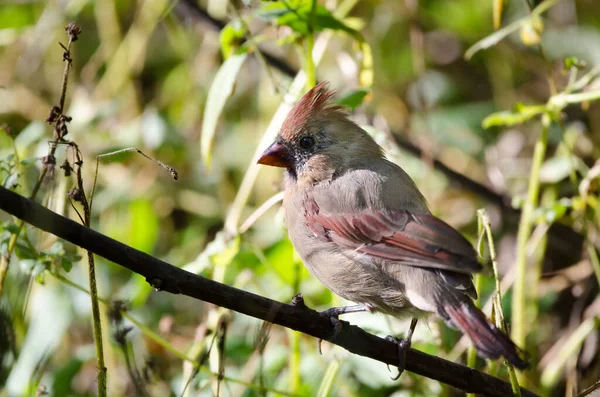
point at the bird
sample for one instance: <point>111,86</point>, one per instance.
<point>362,227</point>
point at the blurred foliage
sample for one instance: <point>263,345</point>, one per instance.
<point>481,85</point>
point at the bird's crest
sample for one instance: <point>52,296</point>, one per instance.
<point>315,102</point>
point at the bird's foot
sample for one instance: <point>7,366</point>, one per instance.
<point>333,315</point>
<point>403,346</point>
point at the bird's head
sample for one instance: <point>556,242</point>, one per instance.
<point>317,140</point>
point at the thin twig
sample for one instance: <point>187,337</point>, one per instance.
<point>97,321</point>
<point>260,211</point>
<point>519,299</point>
<point>57,118</point>
<point>99,157</point>
<point>499,313</point>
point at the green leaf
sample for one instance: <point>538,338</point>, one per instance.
<point>230,251</point>
<point>297,16</point>
<point>573,62</point>
<point>66,264</point>
<point>11,181</point>
<point>32,267</point>
<point>24,252</point>
<point>143,225</point>
<point>555,169</point>
<point>231,37</point>
<point>31,160</point>
<point>557,211</point>
<point>281,257</point>
<point>16,16</point>
<point>57,249</point>
<point>521,114</point>
<point>220,90</point>
<point>354,99</point>
<point>63,377</point>
<point>11,228</point>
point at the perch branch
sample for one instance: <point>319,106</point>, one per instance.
<point>165,277</point>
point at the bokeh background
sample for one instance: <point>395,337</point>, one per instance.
<point>184,82</point>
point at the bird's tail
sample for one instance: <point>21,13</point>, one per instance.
<point>489,341</point>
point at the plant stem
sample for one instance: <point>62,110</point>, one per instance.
<point>5,259</point>
<point>500,323</point>
<point>519,299</point>
<point>97,322</point>
<point>311,78</point>
<point>328,378</point>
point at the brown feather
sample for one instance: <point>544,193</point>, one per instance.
<point>414,239</point>
<point>489,340</point>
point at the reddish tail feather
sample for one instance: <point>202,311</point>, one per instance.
<point>489,341</point>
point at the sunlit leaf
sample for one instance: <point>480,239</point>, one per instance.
<point>220,90</point>
<point>521,114</point>
<point>366,64</point>
<point>558,210</point>
<point>56,249</point>
<point>297,15</point>
<point>556,169</point>
<point>142,233</point>
<point>353,99</point>
<point>228,252</point>
<point>573,62</point>
<point>231,37</point>
<point>25,252</point>
<point>11,228</point>
<point>497,13</point>
<point>531,31</point>
<point>281,257</point>
<point>32,267</point>
<point>11,181</point>
<point>31,160</point>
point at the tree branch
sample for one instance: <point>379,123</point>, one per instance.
<point>168,278</point>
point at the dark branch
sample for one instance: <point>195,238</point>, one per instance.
<point>166,277</point>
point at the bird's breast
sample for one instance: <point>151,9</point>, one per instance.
<point>347,273</point>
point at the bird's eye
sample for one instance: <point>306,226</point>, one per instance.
<point>307,142</point>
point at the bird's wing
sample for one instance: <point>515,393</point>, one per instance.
<point>404,237</point>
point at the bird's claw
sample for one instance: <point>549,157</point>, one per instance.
<point>332,312</point>
<point>333,316</point>
<point>403,346</point>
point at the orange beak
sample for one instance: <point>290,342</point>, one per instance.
<point>276,155</point>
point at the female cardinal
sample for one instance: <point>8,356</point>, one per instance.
<point>363,229</point>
